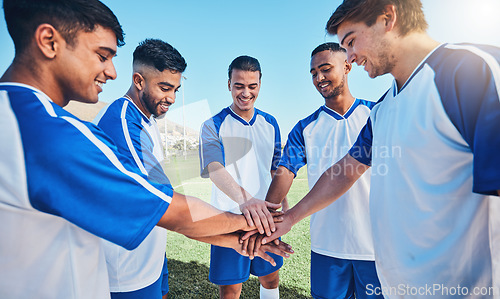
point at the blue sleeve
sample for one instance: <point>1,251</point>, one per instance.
<point>294,153</point>
<point>211,148</point>
<point>74,171</point>
<point>133,142</point>
<point>361,150</point>
<point>469,87</point>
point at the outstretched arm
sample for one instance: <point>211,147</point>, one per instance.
<point>232,241</point>
<point>332,184</point>
<point>193,217</point>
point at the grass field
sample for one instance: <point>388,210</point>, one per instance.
<point>188,260</point>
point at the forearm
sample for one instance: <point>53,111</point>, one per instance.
<point>230,240</point>
<point>280,185</point>
<point>193,217</point>
<point>332,184</point>
<point>226,183</point>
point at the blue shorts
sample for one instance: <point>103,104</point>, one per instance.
<point>156,290</point>
<point>340,278</point>
<point>228,267</point>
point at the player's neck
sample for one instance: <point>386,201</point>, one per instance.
<point>133,95</point>
<point>340,103</point>
<point>247,115</point>
<point>412,50</point>
<point>19,72</point>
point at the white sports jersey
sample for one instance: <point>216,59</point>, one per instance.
<point>138,138</point>
<point>248,151</point>
<point>342,229</point>
<point>433,147</point>
<point>61,181</point>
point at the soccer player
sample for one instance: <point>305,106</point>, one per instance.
<point>431,143</point>
<point>131,122</point>
<point>342,259</point>
<point>240,148</point>
<point>64,186</point>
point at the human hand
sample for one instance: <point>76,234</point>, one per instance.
<point>253,247</point>
<point>257,214</point>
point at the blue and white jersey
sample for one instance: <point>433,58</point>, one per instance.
<point>137,138</point>
<point>63,187</point>
<point>247,150</point>
<point>342,229</point>
<point>433,148</point>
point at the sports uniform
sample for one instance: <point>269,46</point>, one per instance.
<point>340,233</point>
<point>137,138</point>
<point>433,148</point>
<point>62,180</point>
<point>248,151</point>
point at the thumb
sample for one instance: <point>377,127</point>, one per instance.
<point>273,206</point>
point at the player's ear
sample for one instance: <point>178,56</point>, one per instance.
<point>48,40</point>
<point>138,81</point>
<point>389,16</point>
<point>229,84</point>
<point>347,67</point>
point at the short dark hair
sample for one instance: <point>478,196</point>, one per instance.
<point>245,63</point>
<point>410,14</point>
<point>334,47</point>
<point>159,54</point>
<point>67,16</point>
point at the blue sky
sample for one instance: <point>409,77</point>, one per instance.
<point>281,34</point>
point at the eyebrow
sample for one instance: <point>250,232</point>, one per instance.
<point>321,65</point>
<point>349,33</point>
<point>111,51</point>
<point>167,84</point>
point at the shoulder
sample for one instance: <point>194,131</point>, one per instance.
<point>366,103</point>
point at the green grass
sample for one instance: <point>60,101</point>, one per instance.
<point>188,260</point>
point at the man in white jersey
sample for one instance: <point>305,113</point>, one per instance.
<point>239,150</point>
<point>64,185</point>
<point>432,144</point>
<point>131,122</point>
<point>342,259</point>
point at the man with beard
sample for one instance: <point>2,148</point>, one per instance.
<point>342,259</point>
<point>431,142</point>
<point>130,122</point>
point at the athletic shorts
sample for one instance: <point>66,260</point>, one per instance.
<point>341,278</point>
<point>228,267</point>
<point>156,290</point>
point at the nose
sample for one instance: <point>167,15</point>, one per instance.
<point>245,93</point>
<point>171,99</point>
<point>351,57</point>
<point>110,71</point>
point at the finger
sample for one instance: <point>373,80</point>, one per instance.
<point>277,213</point>
<point>273,206</point>
<point>248,217</point>
<point>277,242</point>
<point>265,221</point>
<point>257,221</point>
<point>248,235</point>
<point>258,244</point>
<point>278,219</point>
<point>270,220</point>
<point>251,246</point>
<point>263,255</point>
<point>244,248</point>
<point>274,249</point>
<point>285,247</point>
<point>271,238</point>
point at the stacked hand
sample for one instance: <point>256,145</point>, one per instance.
<point>253,247</point>
<point>257,213</point>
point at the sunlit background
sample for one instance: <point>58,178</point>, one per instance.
<point>281,34</point>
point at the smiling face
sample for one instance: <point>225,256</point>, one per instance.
<point>367,46</point>
<point>244,87</point>
<point>329,73</point>
<point>157,90</point>
<point>81,70</point>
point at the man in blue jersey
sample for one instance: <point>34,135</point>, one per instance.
<point>239,150</point>
<point>431,143</point>
<point>130,122</point>
<point>342,259</point>
<point>64,185</point>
